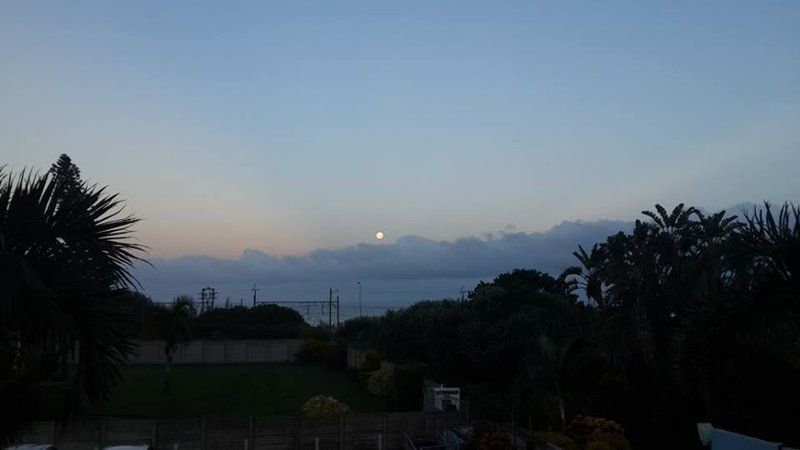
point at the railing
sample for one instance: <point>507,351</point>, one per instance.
<point>384,431</point>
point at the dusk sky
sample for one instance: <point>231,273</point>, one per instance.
<point>294,126</point>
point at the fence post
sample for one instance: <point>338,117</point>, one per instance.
<point>252,431</point>
<point>102,433</point>
<point>203,432</point>
<point>294,433</point>
<point>53,432</point>
<point>154,437</point>
<point>341,432</point>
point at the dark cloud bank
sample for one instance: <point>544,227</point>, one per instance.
<point>407,270</point>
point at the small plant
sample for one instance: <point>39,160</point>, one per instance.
<point>313,351</point>
<point>582,427</point>
<point>542,438</point>
<point>488,436</point>
<point>381,382</point>
<point>597,445</point>
<point>496,438</point>
<point>371,362</point>
<point>612,441</point>
<point>597,433</point>
<point>324,406</point>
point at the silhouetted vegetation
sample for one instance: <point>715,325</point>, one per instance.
<point>261,322</point>
<point>65,259</point>
<point>690,317</point>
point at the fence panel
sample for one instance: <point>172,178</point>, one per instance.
<point>319,434</point>
<point>79,435</point>
<point>226,434</point>
<point>187,433</point>
<point>397,425</point>
<point>273,433</point>
<point>38,433</point>
<point>384,431</point>
<point>128,432</point>
<point>364,431</point>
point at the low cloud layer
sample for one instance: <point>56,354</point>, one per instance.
<point>409,261</point>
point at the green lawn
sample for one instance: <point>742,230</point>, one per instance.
<point>231,390</point>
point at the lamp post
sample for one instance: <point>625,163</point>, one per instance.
<point>360,314</point>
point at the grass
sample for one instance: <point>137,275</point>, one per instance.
<point>231,390</point>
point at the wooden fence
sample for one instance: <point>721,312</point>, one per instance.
<point>384,431</point>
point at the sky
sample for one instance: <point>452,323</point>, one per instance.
<point>289,128</point>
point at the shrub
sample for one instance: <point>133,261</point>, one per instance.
<point>495,439</point>
<point>324,406</point>
<point>336,357</point>
<point>381,382</point>
<point>408,386</point>
<point>541,438</point>
<point>597,445</point>
<point>313,351</point>
<point>582,427</point>
<point>488,436</point>
<point>371,362</point>
<point>613,441</point>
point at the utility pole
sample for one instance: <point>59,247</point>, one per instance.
<point>213,296</point>
<point>207,297</point>
<point>462,292</point>
<point>203,300</point>
<point>331,291</point>
<point>255,294</point>
<point>360,314</point>
<point>337,311</point>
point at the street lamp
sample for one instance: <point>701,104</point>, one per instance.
<point>360,314</point>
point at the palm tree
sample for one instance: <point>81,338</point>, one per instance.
<point>173,323</point>
<point>588,276</point>
<point>65,257</point>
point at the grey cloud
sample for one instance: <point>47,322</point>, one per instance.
<point>410,258</point>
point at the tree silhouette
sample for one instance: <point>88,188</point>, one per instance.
<point>173,324</point>
<point>64,261</point>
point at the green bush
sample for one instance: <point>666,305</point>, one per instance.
<point>541,438</point>
<point>381,382</point>
<point>337,355</point>
<point>613,441</point>
<point>408,386</point>
<point>597,445</point>
<point>495,439</point>
<point>324,406</point>
<point>371,362</point>
<point>314,351</point>
<point>488,436</point>
<point>583,427</point>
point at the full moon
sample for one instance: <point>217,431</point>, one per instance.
<point>379,235</point>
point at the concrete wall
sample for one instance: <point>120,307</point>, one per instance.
<point>220,352</point>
